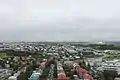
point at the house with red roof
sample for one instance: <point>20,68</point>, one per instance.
<point>62,76</point>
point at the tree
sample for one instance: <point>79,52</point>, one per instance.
<point>29,71</point>
<point>45,73</point>
<point>109,74</point>
<point>88,67</point>
<point>83,64</point>
<point>22,76</point>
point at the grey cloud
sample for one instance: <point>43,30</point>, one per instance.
<point>57,20</point>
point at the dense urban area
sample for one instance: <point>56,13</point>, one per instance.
<point>59,61</point>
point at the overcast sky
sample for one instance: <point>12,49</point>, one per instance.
<point>60,20</point>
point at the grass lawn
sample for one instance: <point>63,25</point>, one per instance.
<point>112,57</point>
<point>3,55</point>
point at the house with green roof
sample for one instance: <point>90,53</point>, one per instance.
<point>35,76</point>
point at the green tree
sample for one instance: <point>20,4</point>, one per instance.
<point>22,76</point>
<point>83,64</point>
<point>29,71</point>
<point>88,67</point>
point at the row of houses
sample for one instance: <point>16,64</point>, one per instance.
<point>61,72</point>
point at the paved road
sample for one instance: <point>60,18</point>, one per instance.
<point>50,76</point>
